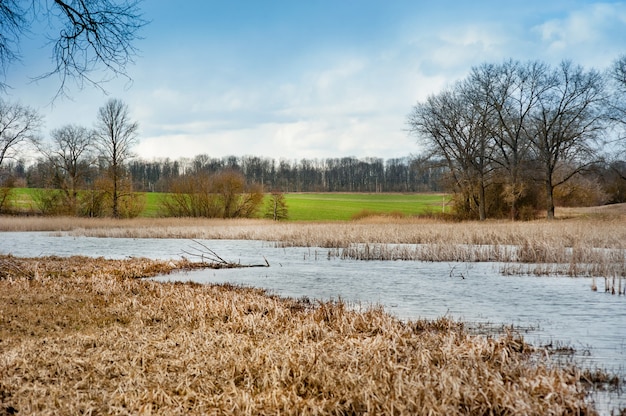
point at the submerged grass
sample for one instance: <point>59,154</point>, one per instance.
<point>86,336</point>
<point>582,245</point>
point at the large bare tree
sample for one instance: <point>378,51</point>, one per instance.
<point>115,133</point>
<point>453,128</point>
<point>569,119</point>
<point>19,125</point>
<point>85,36</point>
<point>618,76</point>
<point>510,91</point>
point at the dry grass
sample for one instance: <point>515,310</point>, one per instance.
<point>587,231</point>
<point>580,246</point>
<point>589,242</point>
<point>85,336</point>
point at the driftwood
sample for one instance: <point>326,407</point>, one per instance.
<point>207,255</point>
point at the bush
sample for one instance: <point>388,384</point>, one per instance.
<point>97,202</point>
<point>276,207</point>
<point>580,191</point>
<point>498,196</point>
<point>51,202</point>
<point>222,195</point>
<point>5,198</point>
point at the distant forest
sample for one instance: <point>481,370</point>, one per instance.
<point>346,174</point>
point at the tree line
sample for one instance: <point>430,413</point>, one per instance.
<point>347,174</point>
<point>514,135</point>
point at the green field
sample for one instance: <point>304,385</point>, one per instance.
<point>343,206</point>
<point>304,206</point>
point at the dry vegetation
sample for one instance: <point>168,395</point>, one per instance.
<point>86,336</point>
<point>583,242</point>
<point>600,227</point>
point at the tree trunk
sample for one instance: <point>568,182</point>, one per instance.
<point>482,210</point>
<point>115,196</point>
<point>549,200</point>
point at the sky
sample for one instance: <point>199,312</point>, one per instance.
<point>296,79</point>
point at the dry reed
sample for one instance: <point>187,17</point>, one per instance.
<point>581,232</point>
<point>85,336</point>
<point>581,246</point>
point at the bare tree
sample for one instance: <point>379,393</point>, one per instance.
<point>19,125</point>
<point>454,129</point>
<point>570,117</point>
<point>12,25</point>
<point>619,71</point>
<point>618,76</point>
<point>115,135</point>
<point>89,35</point>
<point>71,155</point>
<point>511,91</point>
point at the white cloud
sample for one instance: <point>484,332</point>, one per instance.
<point>592,36</point>
<point>332,100</point>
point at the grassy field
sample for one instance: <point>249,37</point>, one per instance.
<point>303,206</point>
<point>345,206</point>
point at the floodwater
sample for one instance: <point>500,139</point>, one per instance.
<point>561,311</point>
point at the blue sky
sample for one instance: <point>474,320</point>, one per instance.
<point>313,78</point>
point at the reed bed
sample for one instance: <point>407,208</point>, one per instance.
<point>86,336</point>
<point>581,231</point>
<point>536,258</point>
<point>584,245</point>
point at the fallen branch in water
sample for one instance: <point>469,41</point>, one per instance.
<point>207,255</point>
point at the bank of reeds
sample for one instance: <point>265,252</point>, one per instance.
<point>85,336</point>
<point>582,232</point>
<point>580,246</point>
<point>533,258</point>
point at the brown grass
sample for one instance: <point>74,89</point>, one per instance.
<point>85,336</point>
<point>584,242</point>
<point>582,245</point>
<point>580,231</point>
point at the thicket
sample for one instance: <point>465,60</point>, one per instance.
<point>222,195</point>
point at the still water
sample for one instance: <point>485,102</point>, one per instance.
<point>559,310</point>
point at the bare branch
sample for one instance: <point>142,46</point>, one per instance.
<point>12,26</point>
<point>19,125</point>
<point>91,36</point>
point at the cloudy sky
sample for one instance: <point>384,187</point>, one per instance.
<point>313,78</point>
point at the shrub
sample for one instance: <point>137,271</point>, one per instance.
<point>276,207</point>
<point>51,202</point>
<point>222,195</point>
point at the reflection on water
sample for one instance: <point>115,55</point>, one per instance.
<point>561,310</point>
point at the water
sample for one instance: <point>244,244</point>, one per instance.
<point>559,310</point>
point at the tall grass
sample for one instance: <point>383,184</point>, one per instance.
<point>581,232</point>
<point>84,336</point>
<point>584,246</point>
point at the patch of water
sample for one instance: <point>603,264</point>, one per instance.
<point>559,310</point>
